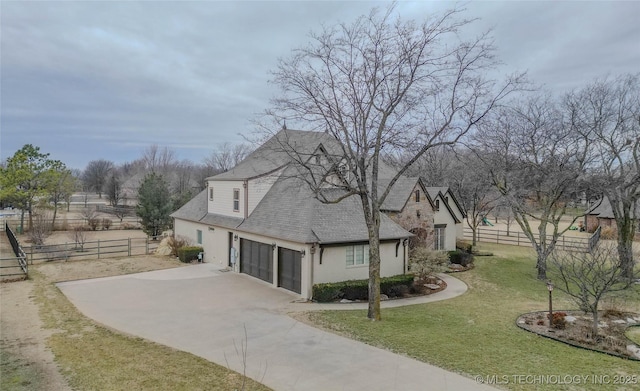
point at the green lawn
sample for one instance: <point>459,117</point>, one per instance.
<point>475,334</point>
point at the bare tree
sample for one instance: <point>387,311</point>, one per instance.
<point>383,83</point>
<point>40,227</point>
<point>471,183</point>
<point>588,277</point>
<point>113,189</point>
<point>95,175</point>
<point>79,235</point>
<point>607,114</point>
<point>537,163</point>
<point>158,160</point>
<point>226,156</point>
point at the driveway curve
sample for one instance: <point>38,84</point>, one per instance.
<point>205,311</point>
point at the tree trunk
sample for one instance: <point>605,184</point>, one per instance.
<point>541,266</point>
<point>373,312</point>
<point>625,246</point>
<point>55,213</point>
<point>595,324</point>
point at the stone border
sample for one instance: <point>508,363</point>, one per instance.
<point>575,345</point>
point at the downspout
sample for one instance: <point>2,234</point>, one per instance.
<point>245,184</point>
<point>313,252</point>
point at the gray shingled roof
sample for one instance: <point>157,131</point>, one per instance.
<point>399,194</point>
<point>605,211</point>
<point>196,210</point>
<point>277,152</point>
<point>290,211</point>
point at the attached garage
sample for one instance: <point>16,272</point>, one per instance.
<point>256,259</point>
<point>290,269</point>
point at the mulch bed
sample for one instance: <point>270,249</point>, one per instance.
<point>577,330</point>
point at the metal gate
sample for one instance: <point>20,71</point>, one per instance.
<point>256,259</point>
<point>289,269</point>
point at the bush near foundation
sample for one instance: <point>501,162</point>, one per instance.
<point>359,289</point>
<point>189,253</point>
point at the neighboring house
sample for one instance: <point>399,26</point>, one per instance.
<point>261,219</point>
<point>601,215</point>
<point>448,216</point>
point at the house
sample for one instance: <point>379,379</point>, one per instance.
<point>261,218</point>
<point>601,215</point>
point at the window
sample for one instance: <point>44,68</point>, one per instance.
<point>437,204</point>
<point>358,255</point>
<point>417,195</point>
<point>439,236</point>
<point>211,194</point>
<point>199,236</point>
<point>236,200</point>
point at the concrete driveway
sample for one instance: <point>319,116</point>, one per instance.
<point>204,311</point>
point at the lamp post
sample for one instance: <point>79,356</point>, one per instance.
<point>550,289</point>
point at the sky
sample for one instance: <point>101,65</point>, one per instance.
<point>88,80</point>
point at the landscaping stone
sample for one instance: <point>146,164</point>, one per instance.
<point>346,301</point>
<point>432,286</point>
<point>384,297</point>
<point>570,319</point>
<point>634,350</point>
<point>619,321</point>
<point>631,321</point>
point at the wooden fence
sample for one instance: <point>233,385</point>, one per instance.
<point>517,238</point>
<point>91,250</point>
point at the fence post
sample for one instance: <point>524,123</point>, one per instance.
<point>98,248</point>
<point>129,246</point>
<point>146,246</point>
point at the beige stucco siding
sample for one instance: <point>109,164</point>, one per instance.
<point>334,267</point>
<point>214,240</point>
<point>442,216</point>
<point>222,203</point>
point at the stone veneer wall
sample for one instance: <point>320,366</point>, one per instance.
<point>408,217</point>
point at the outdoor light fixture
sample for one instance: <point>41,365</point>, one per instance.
<point>550,289</point>
<point>235,237</point>
<point>303,252</point>
<point>273,245</point>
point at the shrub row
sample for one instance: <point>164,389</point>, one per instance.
<point>359,289</point>
<point>189,253</point>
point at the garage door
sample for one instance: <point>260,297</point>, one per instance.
<point>289,269</point>
<point>256,259</point>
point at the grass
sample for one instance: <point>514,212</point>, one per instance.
<point>475,334</point>
<point>93,357</point>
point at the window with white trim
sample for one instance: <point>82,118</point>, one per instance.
<point>236,200</point>
<point>357,255</point>
<point>439,236</point>
<point>211,194</point>
<point>199,236</point>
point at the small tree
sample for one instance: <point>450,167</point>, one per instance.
<point>154,205</point>
<point>587,277</point>
<point>40,227</point>
<point>424,261</point>
<point>79,235</point>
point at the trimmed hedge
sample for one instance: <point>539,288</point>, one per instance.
<point>189,253</point>
<point>359,289</point>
